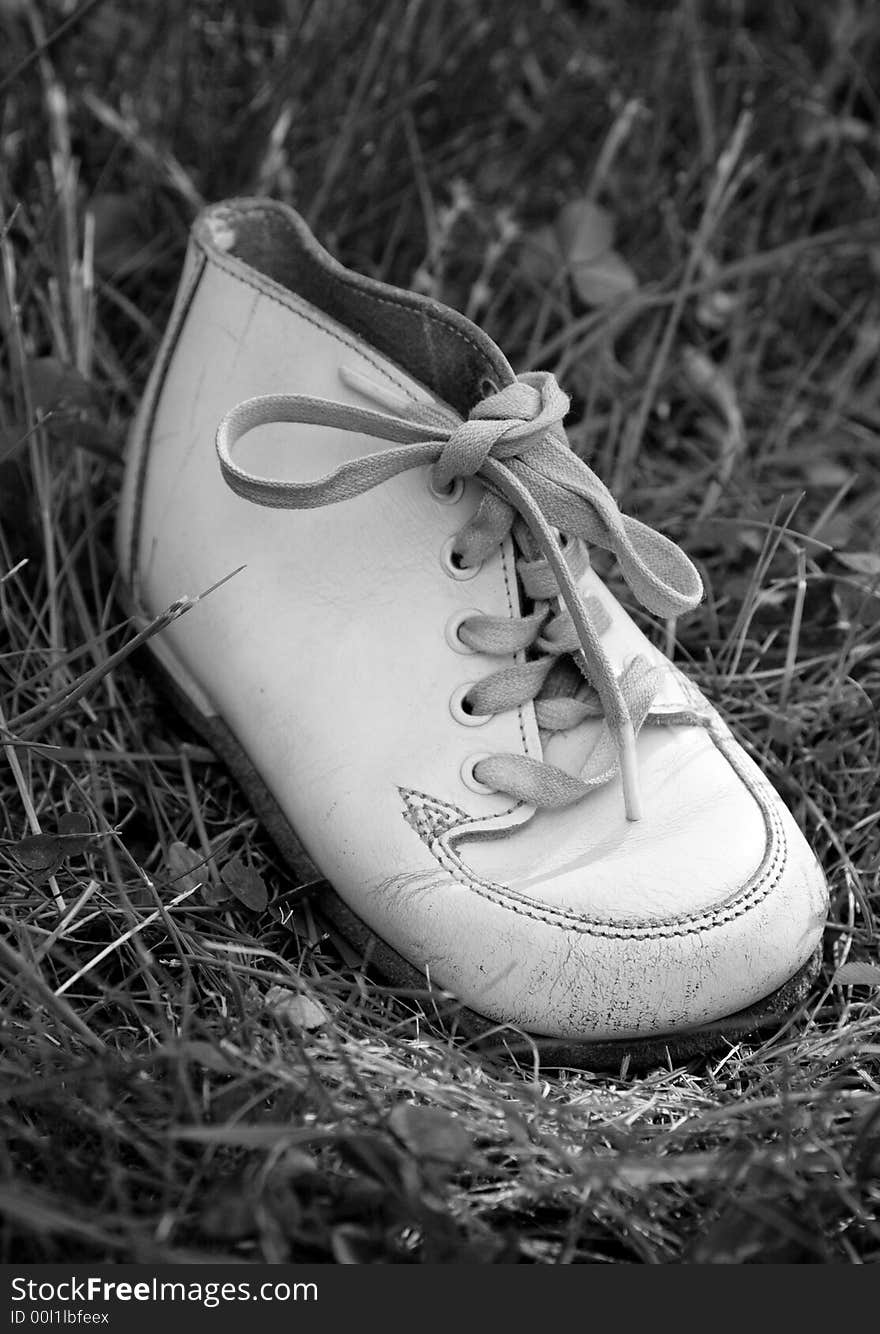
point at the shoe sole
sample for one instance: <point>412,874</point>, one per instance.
<point>490,1038</point>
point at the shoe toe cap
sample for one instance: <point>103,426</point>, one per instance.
<point>709,908</point>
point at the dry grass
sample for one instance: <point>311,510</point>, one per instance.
<point>153,1107</point>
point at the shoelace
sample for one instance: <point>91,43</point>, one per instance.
<point>514,443</point>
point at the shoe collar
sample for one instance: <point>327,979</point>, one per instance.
<point>435,345</point>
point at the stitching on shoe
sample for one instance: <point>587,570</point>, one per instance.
<point>756,889</point>
<point>430,816</point>
<point>510,609</point>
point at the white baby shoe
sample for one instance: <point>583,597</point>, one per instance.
<point>418,677</point>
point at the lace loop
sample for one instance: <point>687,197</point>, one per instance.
<point>514,443</point>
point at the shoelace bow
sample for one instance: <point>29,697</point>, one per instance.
<point>514,443</point>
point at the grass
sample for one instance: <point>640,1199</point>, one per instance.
<point>157,1101</point>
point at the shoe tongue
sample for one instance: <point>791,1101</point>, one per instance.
<point>434,344</point>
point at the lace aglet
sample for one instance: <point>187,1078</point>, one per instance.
<point>629,772</point>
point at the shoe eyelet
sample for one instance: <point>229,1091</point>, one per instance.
<point>488,387</point>
<point>453,625</point>
<point>449,495</point>
<point>460,711</point>
<point>468,777</point>
<point>449,558</point>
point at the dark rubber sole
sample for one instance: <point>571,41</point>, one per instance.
<point>486,1037</point>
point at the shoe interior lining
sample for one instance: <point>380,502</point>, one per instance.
<point>431,342</point>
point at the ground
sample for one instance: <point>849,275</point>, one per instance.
<point>224,1079</point>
